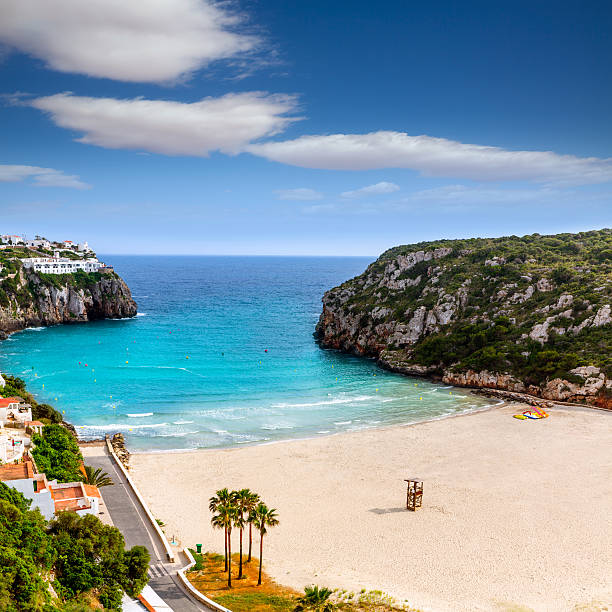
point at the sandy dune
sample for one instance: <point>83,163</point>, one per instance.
<point>517,514</point>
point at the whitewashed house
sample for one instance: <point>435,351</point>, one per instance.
<point>34,487</point>
<point>51,497</point>
<point>14,410</point>
<point>61,265</point>
<point>12,239</point>
<point>39,243</point>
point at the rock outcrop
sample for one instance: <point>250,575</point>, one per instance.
<point>524,315</point>
<point>31,300</point>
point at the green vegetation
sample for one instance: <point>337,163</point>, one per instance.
<point>57,454</point>
<point>317,599</point>
<point>80,556</point>
<point>96,477</point>
<point>237,509</point>
<point>42,412</point>
<point>497,291</point>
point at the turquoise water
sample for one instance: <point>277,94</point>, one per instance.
<point>221,353</point>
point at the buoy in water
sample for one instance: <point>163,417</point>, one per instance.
<point>127,362</point>
<point>186,356</point>
<point>265,350</point>
<point>420,398</point>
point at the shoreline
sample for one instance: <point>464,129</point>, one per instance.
<point>467,412</point>
<point>498,525</point>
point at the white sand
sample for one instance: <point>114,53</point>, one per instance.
<point>516,514</point>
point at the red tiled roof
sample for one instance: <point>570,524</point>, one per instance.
<point>65,493</point>
<point>5,402</point>
<point>91,490</point>
<point>72,505</point>
<point>16,472</point>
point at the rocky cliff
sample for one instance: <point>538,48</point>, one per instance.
<point>529,315</point>
<point>28,299</point>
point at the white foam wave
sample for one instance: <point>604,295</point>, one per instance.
<point>34,328</point>
<point>342,422</point>
<point>274,427</point>
<point>325,431</point>
<point>121,426</point>
<point>134,415</point>
<point>182,422</point>
<point>141,314</point>
<point>332,402</point>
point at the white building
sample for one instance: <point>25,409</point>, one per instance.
<point>39,243</point>
<point>51,497</point>
<point>61,265</point>
<point>12,239</point>
<point>32,486</point>
<point>14,410</point>
<point>2,381</point>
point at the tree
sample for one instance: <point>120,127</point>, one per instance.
<point>224,519</point>
<point>252,503</point>
<point>57,454</point>
<point>315,598</point>
<point>136,562</point>
<point>244,502</point>
<point>263,517</point>
<point>95,476</point>
<point>223,497</point>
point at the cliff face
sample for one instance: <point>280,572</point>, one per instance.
<point>32,300</point>
<point>527,314</point>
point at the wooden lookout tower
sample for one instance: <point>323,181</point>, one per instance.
<point>414,494</point>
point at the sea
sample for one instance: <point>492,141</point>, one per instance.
<point>221,354</point>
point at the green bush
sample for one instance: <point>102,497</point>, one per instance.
<point>57,454</point>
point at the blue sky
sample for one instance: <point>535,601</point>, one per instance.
<point>308,127</point>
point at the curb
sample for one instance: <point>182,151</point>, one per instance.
<point>160,533</point>
<point>192,590</point>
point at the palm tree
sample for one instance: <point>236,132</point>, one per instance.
<point>252,502</point>
<point>223,497</point>
<point>263,517</point>
<point>243,500</point>
<point>316,599</point>
<point>224,519</point>
<point>97,477</point>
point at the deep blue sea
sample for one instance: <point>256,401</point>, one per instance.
<point>222,353</point>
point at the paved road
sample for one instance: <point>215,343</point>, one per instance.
<point>129,518</point>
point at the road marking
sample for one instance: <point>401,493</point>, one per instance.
<point>157,571</point>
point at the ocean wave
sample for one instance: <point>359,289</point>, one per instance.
<point>134,415</point>
<point>121,426</point>
<point>141,314</point>
<point>182,422</point>
<point>34,328</point>
<point>274,427</point>
<point>180,434</point>
<point>331,402</point>
<point>325,431</point>
<point>342,422</point>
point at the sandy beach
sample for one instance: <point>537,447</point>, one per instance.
<point>517,515</point>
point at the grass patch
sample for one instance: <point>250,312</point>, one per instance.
<point>245,595</point>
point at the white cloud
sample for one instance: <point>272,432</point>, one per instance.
<point>42,177</point>
<point>301,193</point>
<point>378,188</point>
<point>125,40</point>
<point>436,157</point>
<point>224,124</point>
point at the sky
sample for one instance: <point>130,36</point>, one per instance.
<point>310,127</point>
